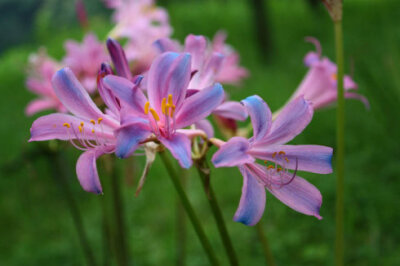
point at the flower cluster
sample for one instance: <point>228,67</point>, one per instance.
<point>161,96</point>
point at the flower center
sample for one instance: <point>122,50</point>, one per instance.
<point>277,171</point>
<point>168,110</point>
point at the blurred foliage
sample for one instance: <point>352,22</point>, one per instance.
<point>35,225</point>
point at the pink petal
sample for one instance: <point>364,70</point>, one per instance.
<point>232,110</point>
<point>168,74</point>
<point>118,58</point>
<point>51,127</point>
<point>310,158</point>
<point>166,45</point>
<point>233,153</point>
<point>86,171</point>
<point>252,201</point>
<point>196,45</point>
<point>199,106</point>
<point>129,137</point>
<point>296,193</point>
<point>179,146</point>
<point>290,122</point>
<point>260,116</point>
<point>127,92</point>
<point>73,96</point>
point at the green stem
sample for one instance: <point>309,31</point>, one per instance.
<point>181,226</point>
<point>269,259</point>
<point>189,210</point>
<point>120,228</point>
<point>204,172</point>
<point>60,175</point>
<point>340,123</point>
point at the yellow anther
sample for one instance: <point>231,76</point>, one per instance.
<point>82,124</point>
<point>172,110</point>
<point>274,155</point>
<point>163,105</point>
<point>93,131</point>
<point>155,115</point>
<point>265,161</point>
<point>146,107</point>
<point>67,125</point>
<point>286,159</point>
<point>93,122</point>
<point>270,167</point>
<point>170,100</point>
<point>334,76</point>
<point>99,120</point>
<point>279,169</point>
<point>80,128</point>
<point>282,153</point>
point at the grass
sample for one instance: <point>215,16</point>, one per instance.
<point>35,225</point>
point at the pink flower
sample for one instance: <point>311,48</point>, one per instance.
<point>142,23</point>
<point>41,70</point>
<point>85,58</point>
<point>87,127</point>
<point>231,72</point>
<point>269,143</point>
<point>320,83</point>
<point>166,109</point>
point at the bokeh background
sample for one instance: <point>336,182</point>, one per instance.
<point>36,227</point>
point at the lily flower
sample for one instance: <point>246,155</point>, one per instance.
<point>166,110</point>
<point>41,70</point>
<point>269,144</point>
<point>85,58</point>
<point>320,83</point>
<point>87,128</point>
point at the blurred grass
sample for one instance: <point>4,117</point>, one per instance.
<point>35,225</point>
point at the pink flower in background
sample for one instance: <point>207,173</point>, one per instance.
<point>87,127</point>
<point>231,72</point>
<point>320,83</point>
<point>168,109</point>
<point>41,70</point>
<point>85,59</point>
<point>142,23</point>
<point>269,143</point>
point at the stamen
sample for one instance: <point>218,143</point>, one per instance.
<point>93,122</point>
<point>82,124</point>
<point>170,100</point>
<point>146,107</point>
<point>80,129</point>
<point>286,159</point>
<point>294,174</point>
<point>172,110</point>
<point>99,120</point>
<point>274,155</point>
<point>155,115</point>
<point>279,169</point>
<point>270,167</point>
<point>67,125</point>
<point>282,153</point>
<point>163,105</point>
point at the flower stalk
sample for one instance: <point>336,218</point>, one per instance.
<point>340,120</point>
<point>189,209</point>
<point>204,173</point>
<point>269,258</point>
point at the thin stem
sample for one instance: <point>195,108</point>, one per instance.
<point>189,209</point>
<point>60,175</point>
<point>269,259</point>
<point>340,123</point>
<point>204,172</point>
<point>181,226</point>
<point>120,228</point>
